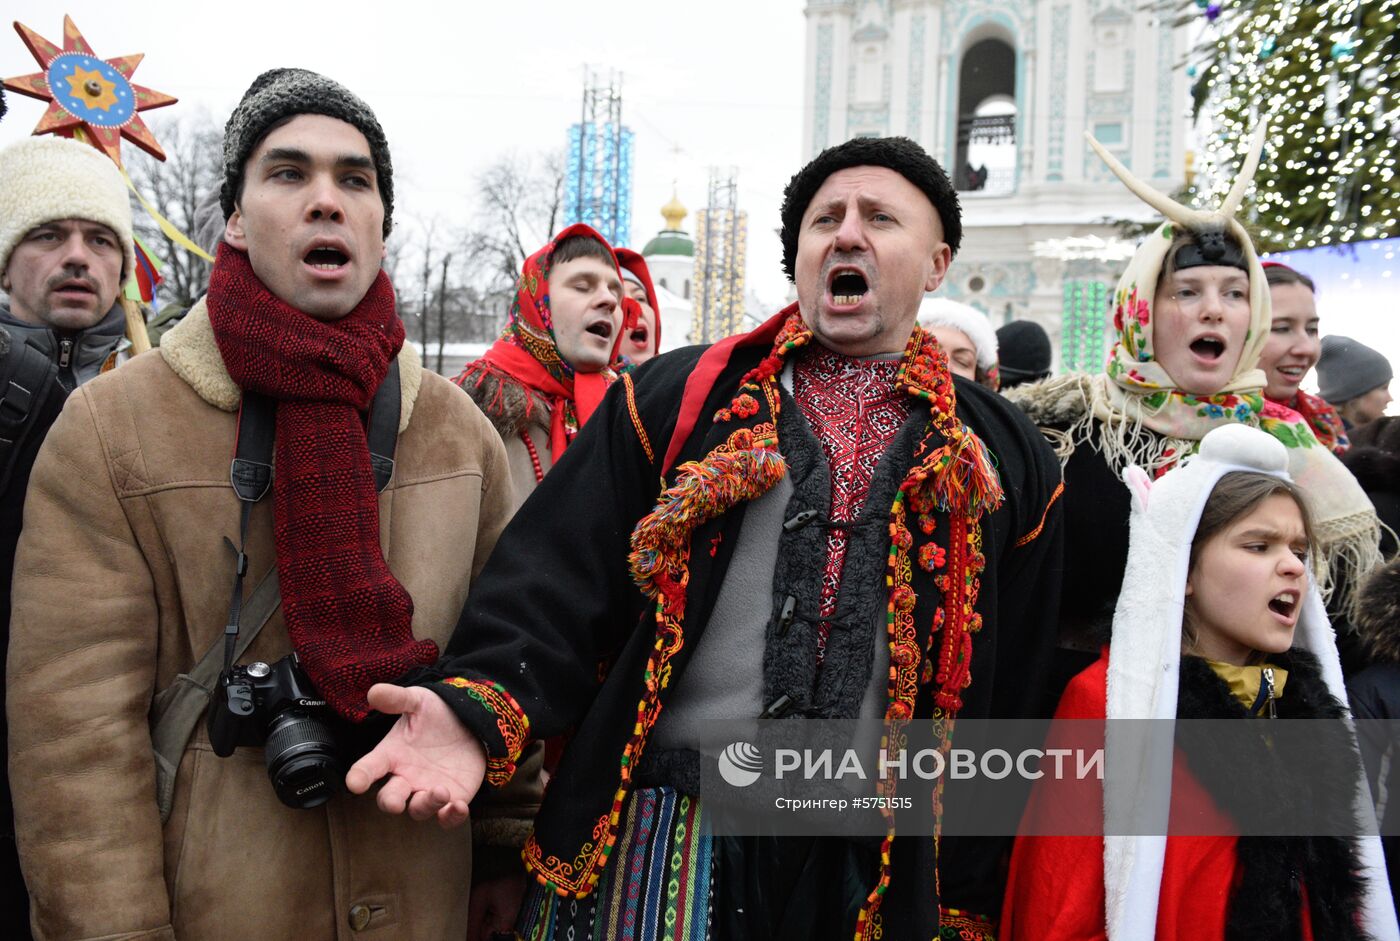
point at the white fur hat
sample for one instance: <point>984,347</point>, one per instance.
<point>1143,666</point>
<point>941,312</point>
<point>47,178</point>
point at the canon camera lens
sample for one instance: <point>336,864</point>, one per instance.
<point>302,760</point>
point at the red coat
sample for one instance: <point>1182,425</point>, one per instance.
<point>1056,892</point>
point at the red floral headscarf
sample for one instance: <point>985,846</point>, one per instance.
<point>528,353</point>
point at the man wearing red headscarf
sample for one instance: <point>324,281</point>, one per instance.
<point>641,325</point>
<point>547,372</point>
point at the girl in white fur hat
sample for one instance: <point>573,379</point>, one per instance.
<point>1219,618</point>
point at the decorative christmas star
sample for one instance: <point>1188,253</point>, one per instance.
<point>89,95</point>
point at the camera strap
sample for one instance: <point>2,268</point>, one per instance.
<point>251,473</point>
<point>177,709</point>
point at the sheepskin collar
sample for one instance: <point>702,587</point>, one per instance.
<point>190,350</point>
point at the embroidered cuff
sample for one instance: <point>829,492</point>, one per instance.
<point>495,718</point>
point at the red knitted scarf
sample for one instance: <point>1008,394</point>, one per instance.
<point>349,619</point>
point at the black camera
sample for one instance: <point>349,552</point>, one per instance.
<point>276,706</point>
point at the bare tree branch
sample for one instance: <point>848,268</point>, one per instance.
<point>521,200</point>
<point>193,170</point>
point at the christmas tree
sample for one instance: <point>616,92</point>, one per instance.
<point>1324,75</point>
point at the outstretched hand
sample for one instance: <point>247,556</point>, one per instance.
<point>434,764</point>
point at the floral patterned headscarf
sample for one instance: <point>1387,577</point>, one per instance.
<point>1147,419</point>
<point>1133,412</point>
<point>1138,389</point>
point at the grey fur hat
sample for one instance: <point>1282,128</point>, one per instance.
<point>282,93</point>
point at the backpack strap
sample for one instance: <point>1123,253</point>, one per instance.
<point>383,431</point>
<point>27,377</point>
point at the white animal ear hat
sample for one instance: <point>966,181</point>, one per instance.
<point>1144,667</point>
<point>1137,287</point>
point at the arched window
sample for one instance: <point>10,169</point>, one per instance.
<point>986,152</point>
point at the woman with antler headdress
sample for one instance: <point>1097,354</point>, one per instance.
<point>1192,315</point>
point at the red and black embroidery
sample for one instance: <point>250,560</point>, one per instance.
<point>855,410</point>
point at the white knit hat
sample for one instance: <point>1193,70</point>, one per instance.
<point>43,179</point>
<point>941,312</point>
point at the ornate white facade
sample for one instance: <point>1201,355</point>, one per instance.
<point>1004,91</point>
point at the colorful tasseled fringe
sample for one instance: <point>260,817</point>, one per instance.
<point>702,491</point>
<point>964,478</point>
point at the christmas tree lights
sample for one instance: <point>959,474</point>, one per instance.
<point>1324,74</point>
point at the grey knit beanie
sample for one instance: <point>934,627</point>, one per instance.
<point>1348,369</point>
<point>283,93</point>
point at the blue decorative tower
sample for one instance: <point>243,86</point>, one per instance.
<point>598,178</point>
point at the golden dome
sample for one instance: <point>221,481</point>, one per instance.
<point>673,212</point>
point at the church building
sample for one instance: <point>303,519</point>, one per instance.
<point>1001,94</point>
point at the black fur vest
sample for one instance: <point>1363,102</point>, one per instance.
<point>1273,872</point>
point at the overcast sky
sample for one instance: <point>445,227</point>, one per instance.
<point>458,86</point>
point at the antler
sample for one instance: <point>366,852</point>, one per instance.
<point>1251,163</point>
<point>1175,211</point>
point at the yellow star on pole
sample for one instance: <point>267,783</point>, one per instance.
<point>99,108</point>
<point>91,85</point>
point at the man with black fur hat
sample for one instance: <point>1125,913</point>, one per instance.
<point>345,568</point>
<point>823,523</point>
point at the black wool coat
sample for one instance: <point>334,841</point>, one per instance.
<point>557,599</point>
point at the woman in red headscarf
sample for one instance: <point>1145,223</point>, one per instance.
<point>640,339</point>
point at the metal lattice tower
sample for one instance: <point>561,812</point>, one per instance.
<point>598,181</point>
<point>721,231</point>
